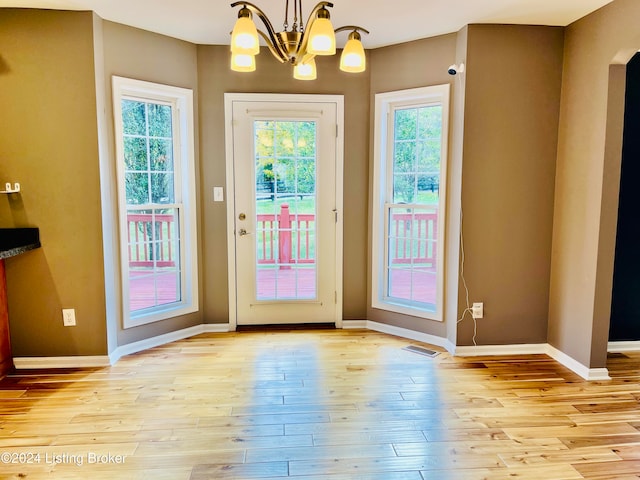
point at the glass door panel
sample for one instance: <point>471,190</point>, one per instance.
<point>285,206</point>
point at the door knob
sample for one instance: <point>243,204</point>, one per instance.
<point>242,232</point>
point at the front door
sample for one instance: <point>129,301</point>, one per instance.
<point>285,209</point>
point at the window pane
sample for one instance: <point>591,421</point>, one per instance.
<point>405,124</point>
<point>161,154</point>
<point>135,153</point>
<point>430,122</point>
<point>154,258</point>
<point>137,188</point>
<point>134,118</point>
<point>404,188</point>
<point>404,157</point>
<point>285,163</point>
<point>411,258</point>
<point>162,189</point>
<point>159,120</point>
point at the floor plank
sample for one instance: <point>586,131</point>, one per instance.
<point>321,405</point>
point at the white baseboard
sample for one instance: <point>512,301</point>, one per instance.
<point>216,328</point>
<point>30,363</point>
<point>153,342</point>
<point>585,372</point>
<point>74,361</point>
<point>591,374</point>
<point>410,334</point>
<point>354,324</point>
<point>492,350</point>
<point>619,347</point>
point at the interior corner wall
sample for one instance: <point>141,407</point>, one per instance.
<point>454,193</point>
<point>513,84</point>
<point>214,79</point>
<point>49,144</point>
<point>409,65</point>
<point>160,59</point>
<point>583,246</point>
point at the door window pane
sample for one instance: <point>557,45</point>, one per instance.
<point>285,165</point>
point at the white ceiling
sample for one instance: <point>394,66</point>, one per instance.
<point>390,22</point>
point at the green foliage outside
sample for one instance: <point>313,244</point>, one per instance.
<point>416,157</point>
<point>149,166</point>
<point>285,158</point>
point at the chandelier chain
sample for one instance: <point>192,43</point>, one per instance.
<point>295,15</point>
<point>286,15</point>
<point>301,23</point>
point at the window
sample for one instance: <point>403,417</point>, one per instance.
<point>409,201</point>
<point>156,198</point>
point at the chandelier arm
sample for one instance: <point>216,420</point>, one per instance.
<point>272,40</point>
<point>353,28</point>
<point>302,48</point>
<point>274,51</point>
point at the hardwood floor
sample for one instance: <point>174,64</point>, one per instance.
<point>320,405</point>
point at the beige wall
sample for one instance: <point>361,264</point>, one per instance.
<point>214,80</point>
<point>48,142</point>
<point>502,148</point>
<point>505,152</point>
<point>586,186</point>
<point>134,53</point>
<point>513,79</point>
<point>410,65</point>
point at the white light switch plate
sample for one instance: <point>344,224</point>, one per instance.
<point>218,194</point>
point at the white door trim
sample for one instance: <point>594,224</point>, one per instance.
<point>229,98</point>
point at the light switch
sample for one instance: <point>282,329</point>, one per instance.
<point>218,194</point>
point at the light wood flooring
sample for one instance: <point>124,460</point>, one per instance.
<point>320,405</point>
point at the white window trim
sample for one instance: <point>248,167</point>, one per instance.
<point>381,187</point>
<point>184,142</point>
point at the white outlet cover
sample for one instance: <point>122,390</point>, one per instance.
<point>69,317</point>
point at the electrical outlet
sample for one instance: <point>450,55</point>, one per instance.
<point>69,317</point>
<point>477,310</point>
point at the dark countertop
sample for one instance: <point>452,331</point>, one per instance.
<point>14,241</point>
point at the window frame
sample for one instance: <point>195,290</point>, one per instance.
<point>181,100</point>
<point>385,104</point>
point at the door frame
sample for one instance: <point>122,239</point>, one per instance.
<point>229,99</point>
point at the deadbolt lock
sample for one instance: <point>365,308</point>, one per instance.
<point>242,216</point>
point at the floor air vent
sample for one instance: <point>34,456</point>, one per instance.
<point>421,350</point>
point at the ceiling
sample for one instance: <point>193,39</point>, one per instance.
<point>390,22</point>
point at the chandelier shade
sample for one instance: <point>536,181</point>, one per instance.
<point>353,58</point>
<point>241,62</point>
<point>244,38</point>
<point>305,70</point>
<point>297,44</point>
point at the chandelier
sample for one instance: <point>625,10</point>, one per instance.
<point>297,44</point>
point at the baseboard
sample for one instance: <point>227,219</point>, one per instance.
<point>492,350</point>
<point>160,340</point>
<point>627,346</point>
<point>354,324</point>
<point>216,328</point>
<point>410,334</point>
<point>591,374</point>
<point>74,361</point>
<point>30,363</point>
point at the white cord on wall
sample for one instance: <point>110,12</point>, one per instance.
<point>468,309</point>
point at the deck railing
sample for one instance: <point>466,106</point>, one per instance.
<point>285,238</point>
<point>413,238</point>
<point>293,234</point>
<point>150,241</point>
